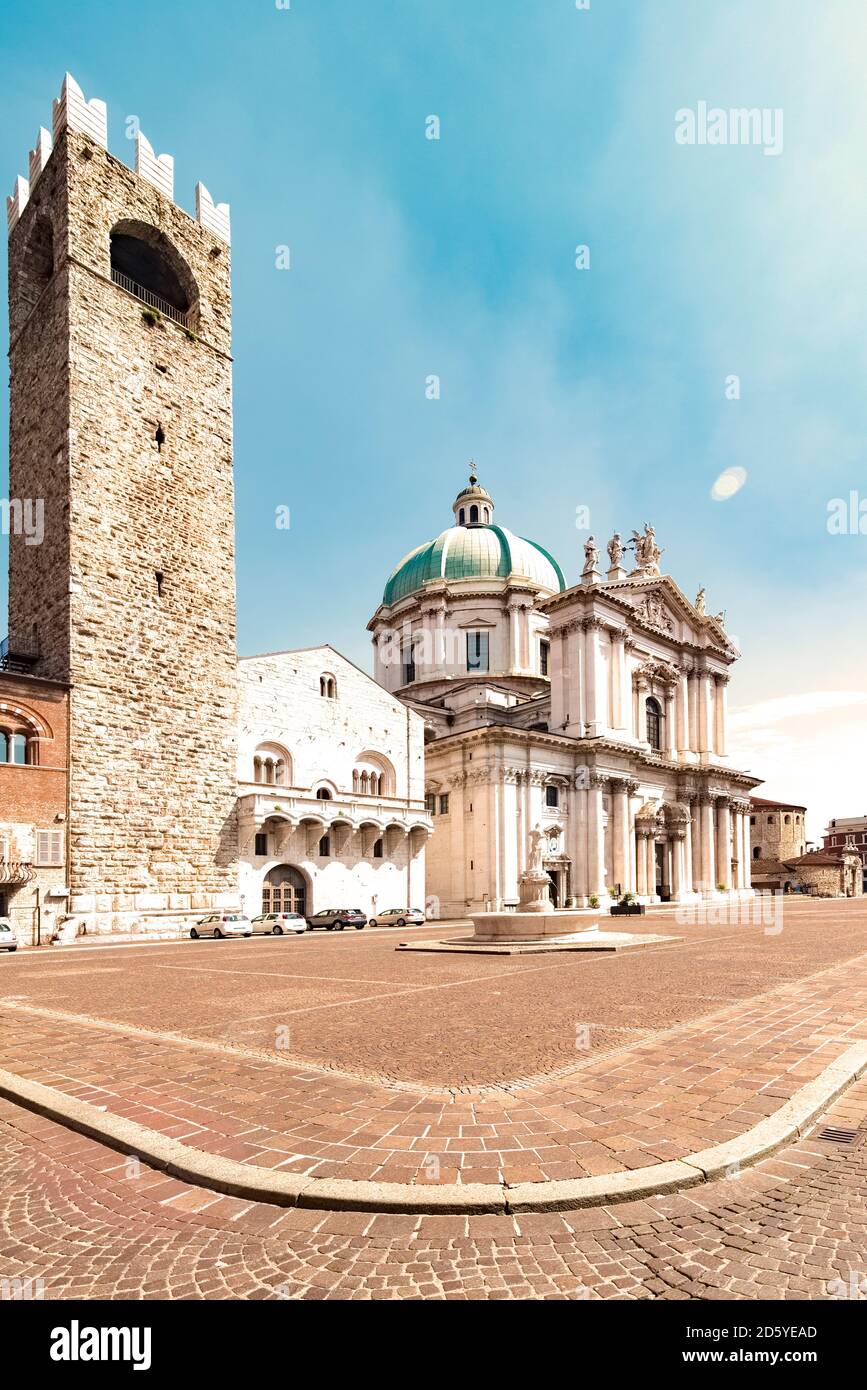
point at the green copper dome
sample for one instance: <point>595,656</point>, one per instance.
<point>474,552</point>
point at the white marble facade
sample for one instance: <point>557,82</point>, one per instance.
<point>331,788</point>
<point>609,734</point>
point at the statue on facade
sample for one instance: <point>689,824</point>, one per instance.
<point>615,550</point>
<point>700,601</point>
<point>591,556</point>
<point>647,552</point>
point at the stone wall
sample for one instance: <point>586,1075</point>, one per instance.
<point>151,661</point>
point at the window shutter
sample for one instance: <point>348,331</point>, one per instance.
<point>49,847</point>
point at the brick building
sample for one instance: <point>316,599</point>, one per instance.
<point>777,834</point>
<point>849,831</point>
<point>34,891</point>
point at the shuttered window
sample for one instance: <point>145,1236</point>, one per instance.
<point>49,848</point>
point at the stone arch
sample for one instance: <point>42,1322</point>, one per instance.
<point>376,774</point>
<point>145,256</point>
<point>272,765</point>
<point>285,888</point>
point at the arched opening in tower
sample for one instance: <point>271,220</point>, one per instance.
<point>146,266</point>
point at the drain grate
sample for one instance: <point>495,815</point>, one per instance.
<point>834,1135</point>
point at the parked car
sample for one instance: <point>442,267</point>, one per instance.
<point>220,924</point>
<point>399,917</point>
<point>8,939</point>
<point>279,923</point>
<point>336,918</point>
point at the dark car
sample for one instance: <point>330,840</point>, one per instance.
<point>336,918</point>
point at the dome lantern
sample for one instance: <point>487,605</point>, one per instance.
<point>474,505</point>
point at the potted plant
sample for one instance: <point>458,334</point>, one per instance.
<point>593,900</point>
<point>627,906</point>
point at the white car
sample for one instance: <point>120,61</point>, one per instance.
<point>221,924</point>
<point>399,917</point>
<point>279,924</point>
<point>8,939</point>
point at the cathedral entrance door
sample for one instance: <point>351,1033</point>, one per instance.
<point>554,880</point>
<point>284,890</point>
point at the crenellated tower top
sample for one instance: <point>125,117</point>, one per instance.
<point>71,110</point>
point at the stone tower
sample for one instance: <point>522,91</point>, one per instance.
<point>121,426</point>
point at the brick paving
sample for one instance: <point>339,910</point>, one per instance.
<point>80,1221</point>
<point>656,1094</point>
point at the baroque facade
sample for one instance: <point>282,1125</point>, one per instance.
<point>595,712</point>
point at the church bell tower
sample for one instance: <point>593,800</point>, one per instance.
<point>121,428</point>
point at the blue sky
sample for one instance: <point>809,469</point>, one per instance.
<point>603,387</point>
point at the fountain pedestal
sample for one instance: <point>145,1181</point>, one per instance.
<point>535,918</point>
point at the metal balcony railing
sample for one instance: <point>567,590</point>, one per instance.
<point>16,871</point>
<point>154,301</point>
<point>18,655</point>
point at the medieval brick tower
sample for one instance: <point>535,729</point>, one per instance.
<point>121,424</point>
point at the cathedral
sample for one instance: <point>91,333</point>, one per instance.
<point>594,713</point>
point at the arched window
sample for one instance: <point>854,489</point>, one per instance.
<point>16,747</point>
<point>461,516</point>
<point>487,515</point>
<point>654,723</point>
<point>271,765</point>
<point>788,820</point>
<point>375,774</point>
<point>327,687</point>
<point>144,263</point>
<point>325,847</point>
<point>323,794</point>
<point>474,515</point>
<point>757,852</point>
<point>355,779</point>
<point>377,849</point>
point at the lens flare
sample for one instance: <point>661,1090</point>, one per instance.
<point>728,483</point>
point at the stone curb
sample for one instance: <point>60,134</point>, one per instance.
<point>236,1179</point>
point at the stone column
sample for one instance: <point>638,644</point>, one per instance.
<point>620,791</point>
<point>695,841</point>
<point>683,711</point>
<point>596,836</point>
<point>670,730</point>
<point>523,828</point>
<point>641,861</point>
<point>592,664</point>
<point>618,679</point>
<point>724,843</point>
<point>693,712</point>
<point>514,660</point>
<point>688,853</point>
<point>578,832</point>
<point>677,843</point>
<point>705,713</point>
<point>641,692</point>
<point>722,699</point>
<point>708,864</point>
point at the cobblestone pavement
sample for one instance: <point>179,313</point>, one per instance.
<point>80,1221</point>
<point>659,1095</point>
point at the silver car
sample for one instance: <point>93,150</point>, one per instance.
<point>399,917</point>
<point>220,924</point>
<point>279,924</point>
<point>8,939</point>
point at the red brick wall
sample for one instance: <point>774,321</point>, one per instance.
<point>35,795</point>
